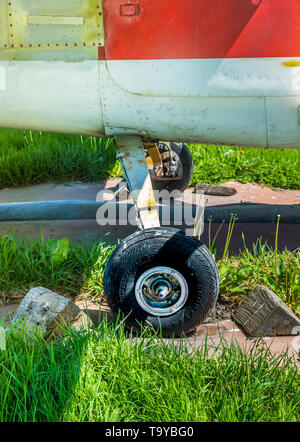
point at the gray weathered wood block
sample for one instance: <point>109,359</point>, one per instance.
<point>263,313</point>
<point>49,312</point>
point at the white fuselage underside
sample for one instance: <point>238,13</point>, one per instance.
<point>252,102</point>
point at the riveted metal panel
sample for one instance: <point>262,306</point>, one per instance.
<point>53,23</point>
<point>3,24</point>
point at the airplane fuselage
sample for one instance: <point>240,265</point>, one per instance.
<point>224,71</point>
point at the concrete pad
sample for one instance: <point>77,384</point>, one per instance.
<point>213,340</point>
<point>56,191</point>
<point>255,194</point>
<point>251,193</point>
<point>96,313</point>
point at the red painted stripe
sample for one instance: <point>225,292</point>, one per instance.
<point>182,29</point>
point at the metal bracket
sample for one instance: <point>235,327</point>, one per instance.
<point>133,161</point>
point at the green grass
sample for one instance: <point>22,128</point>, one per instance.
<point>71,270</point>
<point>28,157</point>
<point>275,168</point>
<point>280,272</point>
<point>36,157</point>
<point>102,376</point>
<point>77,270</point>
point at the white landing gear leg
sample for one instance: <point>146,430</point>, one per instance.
<point>133,160</point>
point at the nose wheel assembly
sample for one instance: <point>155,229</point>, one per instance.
<point>174,168</point>
<point>158,276</point>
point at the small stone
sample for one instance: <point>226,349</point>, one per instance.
<point>49,312</point>
<point>263,313</point>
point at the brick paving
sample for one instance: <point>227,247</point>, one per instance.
<point>211,335</point>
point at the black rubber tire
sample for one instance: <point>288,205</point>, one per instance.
<point>188,169</point>
<point>157,247</point>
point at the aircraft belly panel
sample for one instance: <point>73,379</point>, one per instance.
<point>51,96</point>
<point>236,120</point>
<point>205,120</point>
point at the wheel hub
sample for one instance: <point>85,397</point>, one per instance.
<point>161,291</point>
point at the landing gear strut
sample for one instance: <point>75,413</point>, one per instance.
<point>157,276</point>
